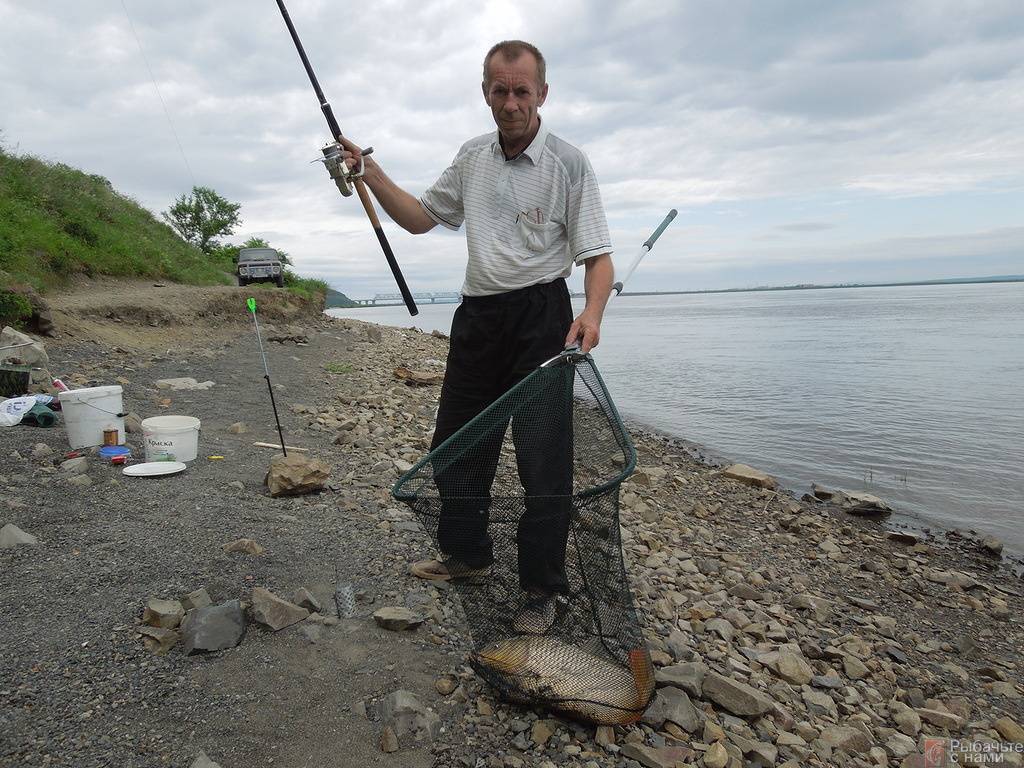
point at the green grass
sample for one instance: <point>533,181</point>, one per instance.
<point>57,222</point>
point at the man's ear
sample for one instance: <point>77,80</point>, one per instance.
<point>543,95</point>
<point>487,98</point>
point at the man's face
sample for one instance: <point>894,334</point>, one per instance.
<point>514,96</point>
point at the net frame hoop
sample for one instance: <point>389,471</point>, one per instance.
<point>564,358</point>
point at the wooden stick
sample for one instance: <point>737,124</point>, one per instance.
<point>278,446</point>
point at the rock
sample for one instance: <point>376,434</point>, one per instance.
<point>672,705</point>
<point>80,481</point>
<point>12,536</point>
<point>734,696</point>
<point>792,667</point>
<point>183,384</point>
<point>305,599</point>
<point>823,493</point>
<point>541,732</point>
<point>214,627</point>
<point>818,702</point>
<point>163,613</point>
<point>657,757</point>
<point>418,378</point>
<point>75,466</point>
<point>854,668</point>
<point>851,740</point>
<point>41,451</point>
<point>908,721</point>
<point>246,546</point>
<point>716,756</point>
<point>749,476</point>
<point>274,612</point>
<point>992,545</point>
<point>720,627</point>
<point>133,423</point>
<point>864,504</point>
<point>32,353</point>
<point>446,685</point>
<point>197,599</point>
<point>295,474</point>
<point>157,639</point>
<point>946,720</point>
<point>202,761</point>
<point>408,718</point>
<point>397,618</point>
<point>1010,730</point>
<point>238,428</point>
<point>604,736</point>
<point>744,591</point>
<point>388,740</point>
<point>688,675</point>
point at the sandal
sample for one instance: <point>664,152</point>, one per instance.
<point>445,570</point>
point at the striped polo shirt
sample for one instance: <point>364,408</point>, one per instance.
<point>528,219</point>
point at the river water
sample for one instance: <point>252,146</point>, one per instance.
<point>914,393</point>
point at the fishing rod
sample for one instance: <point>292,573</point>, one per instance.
<point>251,304</point>
<point>344,177</point>
<point>644,250</point>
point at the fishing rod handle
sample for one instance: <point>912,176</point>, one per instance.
<point>371,213</point>
<point>650,241</point>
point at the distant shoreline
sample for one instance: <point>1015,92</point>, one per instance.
<point>798,287</point>
<point>813,287</point>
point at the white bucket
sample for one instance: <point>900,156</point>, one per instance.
<point>170,436</point>
<point>87,412</point>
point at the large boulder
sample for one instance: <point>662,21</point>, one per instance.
<point>295,475</point>
<point>214,627</point>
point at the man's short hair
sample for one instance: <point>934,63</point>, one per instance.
<point>511,50</point>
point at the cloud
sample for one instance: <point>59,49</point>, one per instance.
<point>753,121</point>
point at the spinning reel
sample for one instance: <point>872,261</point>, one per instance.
<point>344,177</point>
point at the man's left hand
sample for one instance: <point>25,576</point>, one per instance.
<point>585,330</point>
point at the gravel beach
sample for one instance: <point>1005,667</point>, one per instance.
<point>785,631</point>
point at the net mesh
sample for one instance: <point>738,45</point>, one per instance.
<point>523,503</point>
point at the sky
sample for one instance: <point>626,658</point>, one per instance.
<point>801,142</point>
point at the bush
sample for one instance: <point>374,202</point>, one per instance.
<point>13,308</point>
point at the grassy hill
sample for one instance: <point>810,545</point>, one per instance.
<point>57,222</point>
<point>338,299</point>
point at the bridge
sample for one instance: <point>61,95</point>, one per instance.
<point>434,297</point>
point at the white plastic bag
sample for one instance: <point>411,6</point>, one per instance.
<point>12,411</point>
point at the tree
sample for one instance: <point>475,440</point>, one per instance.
<point>202,217</point>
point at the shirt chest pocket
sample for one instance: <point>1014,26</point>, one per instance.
<point>535,237</point>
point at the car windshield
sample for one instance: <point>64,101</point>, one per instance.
<point>258,254</point>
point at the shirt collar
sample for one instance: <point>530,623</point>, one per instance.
<point>533,151</point>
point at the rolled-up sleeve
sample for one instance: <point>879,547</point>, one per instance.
<point>586,224</point>
<point>443,201</point>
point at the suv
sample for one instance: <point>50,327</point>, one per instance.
<point>260,265</point>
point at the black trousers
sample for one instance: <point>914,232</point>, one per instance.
<point>496,341</point>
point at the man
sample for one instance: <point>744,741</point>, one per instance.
<point>532,209</point>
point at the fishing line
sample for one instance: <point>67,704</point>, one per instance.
<point>159,95</point>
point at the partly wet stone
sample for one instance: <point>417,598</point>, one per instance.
<point>274,612</point>
<point>213,627</point>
